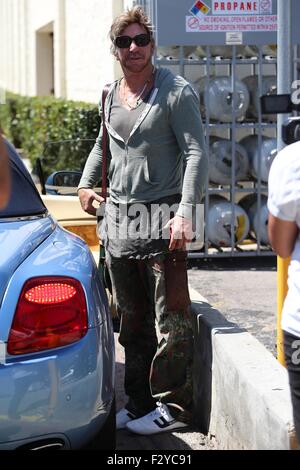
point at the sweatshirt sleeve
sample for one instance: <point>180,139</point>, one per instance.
<point>187,126</point>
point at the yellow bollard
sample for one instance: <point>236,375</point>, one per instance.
<point>282,288</point>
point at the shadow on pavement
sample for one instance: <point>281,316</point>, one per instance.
<point>257,263</point>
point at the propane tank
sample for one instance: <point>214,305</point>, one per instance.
<point>224,52</point>
<point>267,154</point>
<point>269,50</point>
<point>217,97</point>
<point>218,223</point>
<point>220,161</point>
<point>258,220</point>
<point>268,87</point>
<point>173,52</point>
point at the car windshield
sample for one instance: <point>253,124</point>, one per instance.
<point>25,199</point>
<point>62,155</point>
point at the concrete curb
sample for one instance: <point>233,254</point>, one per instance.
<point>241,392</point>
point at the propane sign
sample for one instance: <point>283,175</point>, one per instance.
<point>232,16</point>
<point>255,7</point>
<point>217,22</point>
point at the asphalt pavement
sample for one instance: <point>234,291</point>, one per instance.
<point>243,289</point>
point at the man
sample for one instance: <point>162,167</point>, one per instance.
<point>4,175</point>
<point>283,228</point>
<point>155,130</point>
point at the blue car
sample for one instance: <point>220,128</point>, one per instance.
<point>56,337</point>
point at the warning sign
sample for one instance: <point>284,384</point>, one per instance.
<point>190,22</point>
<point>200,8</point>
<point>266,7</point>
<point>241,23</point>
<point>232,16</point>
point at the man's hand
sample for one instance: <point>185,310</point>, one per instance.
<point>86,198</point>
<point>181,232</point>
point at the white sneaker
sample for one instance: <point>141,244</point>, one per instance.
<point>123,417</point>
<point>159,420</point>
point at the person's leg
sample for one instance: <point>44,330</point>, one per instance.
<point>137,331</point>
<point>171,370</point>
<point>292,359</point>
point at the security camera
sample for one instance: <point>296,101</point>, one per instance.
<point>291,130</point>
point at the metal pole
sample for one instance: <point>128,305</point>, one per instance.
<point>284,81</point>
<point>284,57</point>
<point>282,288</point>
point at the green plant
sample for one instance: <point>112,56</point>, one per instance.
<point>31,122</point>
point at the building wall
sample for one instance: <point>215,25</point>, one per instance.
<point>19,22</point>
<point>89,63</point>
<point>64,38</point>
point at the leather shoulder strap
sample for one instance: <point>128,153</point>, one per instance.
<point>104,145</point>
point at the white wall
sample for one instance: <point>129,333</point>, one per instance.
<point>19,22</point>
<point>42,12</point>
<point>82,59</point>
<point>89,63</point>
<point>11,42</point>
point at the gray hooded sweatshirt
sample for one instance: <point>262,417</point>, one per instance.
<point>165,153</point>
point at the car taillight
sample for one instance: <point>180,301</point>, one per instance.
<point>51,312</point>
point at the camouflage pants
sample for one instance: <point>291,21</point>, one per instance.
<point>153,371</point>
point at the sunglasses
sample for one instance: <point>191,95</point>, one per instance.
<point>141,40</point>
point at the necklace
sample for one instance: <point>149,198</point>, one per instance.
<point>138,99</point>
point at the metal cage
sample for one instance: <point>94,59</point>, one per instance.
<point>253,66</point>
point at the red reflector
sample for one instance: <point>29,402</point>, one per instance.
<point>50,293</point>
<point>51,313</point>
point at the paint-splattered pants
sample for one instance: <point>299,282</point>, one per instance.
<point>154,371</point>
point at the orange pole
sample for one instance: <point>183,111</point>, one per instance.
<point>282,288</point>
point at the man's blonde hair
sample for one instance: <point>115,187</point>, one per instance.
<point>131,16</point>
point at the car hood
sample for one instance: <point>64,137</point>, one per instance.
<point>19,238</point>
